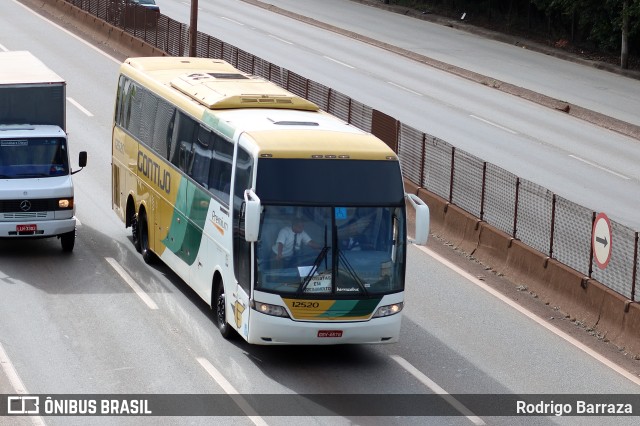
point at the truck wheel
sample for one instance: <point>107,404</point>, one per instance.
<point>220,312</point>
<point>143,238</point>
<point>68,240</point>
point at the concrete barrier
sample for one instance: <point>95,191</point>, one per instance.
<point>97,29</point>
<point>606,312</point>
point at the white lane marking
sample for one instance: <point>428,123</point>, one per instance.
<point>69,33</point>
<point>491,123</point>
<point>4,49</point>
<point>604,169</point>
<point>230,390</point>
<point>404,88</point>
<point>532,316</point>
<point>16,382</point>
<point>80,107</point>
<point>437,389</point>
<point>339,62</point>
<point>131,282</point>
<point>231,20</point>
<point>280,39</point>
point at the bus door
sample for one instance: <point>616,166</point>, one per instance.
<point>242,261</point>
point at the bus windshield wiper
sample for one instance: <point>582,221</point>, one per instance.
<point>351,272</point>
<point>316,264</point>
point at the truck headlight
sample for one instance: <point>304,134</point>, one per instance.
<point>385,311</point>
<point>65,203</point>
<point>268,309</point>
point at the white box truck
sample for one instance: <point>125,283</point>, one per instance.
<point>36,189</point>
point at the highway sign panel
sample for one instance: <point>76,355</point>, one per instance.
<point>601,240</point>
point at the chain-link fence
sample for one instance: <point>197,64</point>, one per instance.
<point>539,218</point>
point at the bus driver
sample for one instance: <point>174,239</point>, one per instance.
<point>291,239</point>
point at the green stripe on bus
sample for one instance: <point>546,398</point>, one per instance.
<point>189,216</point>
<point>216,124</point>
<point>352,308</point>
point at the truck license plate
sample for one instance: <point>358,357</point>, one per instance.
<point>26,228</point>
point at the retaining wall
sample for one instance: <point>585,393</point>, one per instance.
<point>586,300</point>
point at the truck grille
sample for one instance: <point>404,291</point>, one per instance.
<point>29,206</point>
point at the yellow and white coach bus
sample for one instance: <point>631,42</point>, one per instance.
<point>287,221</point>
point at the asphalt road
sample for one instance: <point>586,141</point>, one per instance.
<point>73,324</point>
<point>577,160</point>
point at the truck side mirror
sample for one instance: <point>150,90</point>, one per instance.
<point>82,161</point>
<point>252,210</point>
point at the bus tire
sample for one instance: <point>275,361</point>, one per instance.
<point>143,238</point>
<point>135,237</point>
<point>220,309</point>
<point>68,240</point>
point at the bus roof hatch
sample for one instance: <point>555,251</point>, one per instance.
<point>236,90</point>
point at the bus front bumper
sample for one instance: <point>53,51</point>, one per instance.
<point>270,330</point>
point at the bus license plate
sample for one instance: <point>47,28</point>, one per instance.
<point>329,333</point>
<point>26,228</point>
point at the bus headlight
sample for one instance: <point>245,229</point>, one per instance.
<point>267,309</point>
<point>385,311</point>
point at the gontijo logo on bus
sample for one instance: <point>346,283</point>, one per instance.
<point>153,171</point>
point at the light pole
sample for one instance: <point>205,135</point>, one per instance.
<point>193,28</point>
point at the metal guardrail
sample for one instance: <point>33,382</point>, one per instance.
<point>529,212</point>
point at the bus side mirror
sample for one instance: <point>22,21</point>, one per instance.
<point>422,218</point>
<point>252,210</point>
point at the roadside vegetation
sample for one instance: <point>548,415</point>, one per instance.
<point>602,30</point>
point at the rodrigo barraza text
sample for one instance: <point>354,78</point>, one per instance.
<point>578,407</point>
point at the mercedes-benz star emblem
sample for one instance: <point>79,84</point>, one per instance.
<point>25,205</point>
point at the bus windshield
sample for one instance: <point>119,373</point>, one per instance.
<point>331,250</point>
<point>33,158</point>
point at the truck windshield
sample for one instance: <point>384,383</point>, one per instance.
<point>331,250</point>
<point>33,158</point>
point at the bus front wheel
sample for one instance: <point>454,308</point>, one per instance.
<point>220,311</point>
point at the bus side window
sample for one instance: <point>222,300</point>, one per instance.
<point>148,113</point>
<point>185,131</point>
<point>220,171</point>
<point>120,101</point>
<point>134,120</point>
<point>162,128</point>
<point>244,168</point>
<point>128,91</point>
<point>202,157</point>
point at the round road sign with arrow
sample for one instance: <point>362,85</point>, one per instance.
<point>601,240</point>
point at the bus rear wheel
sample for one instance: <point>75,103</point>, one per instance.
<point>143,238</point>
<point>135,236</point>
<point>220,312</point>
